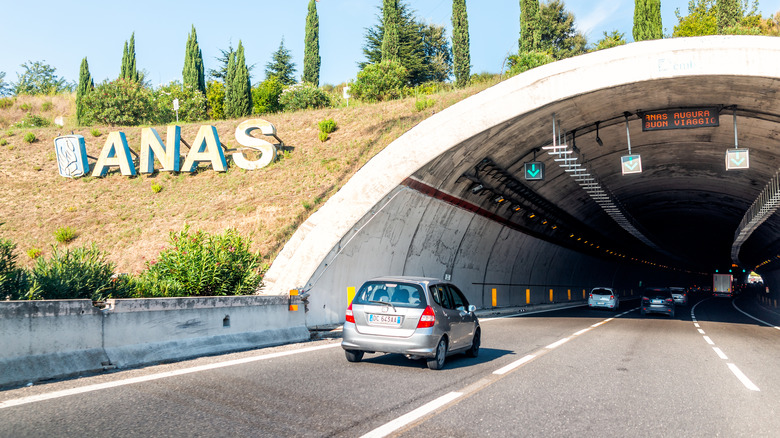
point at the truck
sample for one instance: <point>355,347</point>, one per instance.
<point>721,285</point>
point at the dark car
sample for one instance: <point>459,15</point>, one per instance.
<point>657,300</point>
<point>414,316</point>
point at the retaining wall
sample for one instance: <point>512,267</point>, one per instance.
<point>59,338</point>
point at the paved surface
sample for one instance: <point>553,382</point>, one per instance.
<point>590,375</point>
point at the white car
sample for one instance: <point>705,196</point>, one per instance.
<point>679,295</point>
<point>603,297</point>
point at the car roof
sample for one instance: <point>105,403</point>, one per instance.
<point>408,279</point>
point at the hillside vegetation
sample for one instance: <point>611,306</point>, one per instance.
<point>131,221</point>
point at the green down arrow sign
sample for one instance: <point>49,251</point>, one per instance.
<point>534,171</point>
<point>737,159</point>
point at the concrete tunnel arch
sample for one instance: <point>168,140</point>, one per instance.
<point>410,210</point>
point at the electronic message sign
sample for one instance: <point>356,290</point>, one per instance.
<point>680,119</point>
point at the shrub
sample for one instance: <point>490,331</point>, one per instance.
<point>327,126</point>
<point>65,234</point>
<point>33,121</point>
<point>34,253</point>
<point>192,103</point>
<point>156,188</point>
<point>95,132</point>
<point>80,273</point>
<point>13,280</point>
<point>6,102</point>
<point>378,82</point>
<point>303,96</point>
<point>265,96</point>
<point>46,106</point>
<point>118,102</point>
<point>24,107</point>
<point>478,78</point>
<point>3,142</point>
<point>215,100</point>
<point>323,136</point>
<point>423,104</point>
<point>199,264</point>
<point>527,60</point>
<point>30,137</point>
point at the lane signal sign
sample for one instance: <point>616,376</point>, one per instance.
<point>534,171</point>
<point>631,164</point>
<point>737,159</point>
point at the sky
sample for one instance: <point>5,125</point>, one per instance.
<point>61,34</point>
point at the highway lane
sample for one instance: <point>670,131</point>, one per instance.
<point>599,382</point>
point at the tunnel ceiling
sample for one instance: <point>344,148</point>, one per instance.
<point>684,201</point>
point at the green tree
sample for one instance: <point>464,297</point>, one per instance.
<point>129,70</point>
<point>437,59</point>
<point>86,85</point>
<point>221,74</point>
<point>729,14</point>
<point>193,72</point>
<point>700,21</point>
<point>265,96</point>
<point>238,89</point>
<point>281,66</point>
<point>4,89</point>
<point>119,103</point>
<point>417,51</point>
<point>391,39</point>
<point>530,31</point>
<point>647,20</point>
<point>558,34</point>
<point>613,39</point>
<point>39,78</point>
<point>381,81</point>
<point>192,103</point>
<point>311,54</point>
<point>460,43</point>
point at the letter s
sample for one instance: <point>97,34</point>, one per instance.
<point>267,149</point>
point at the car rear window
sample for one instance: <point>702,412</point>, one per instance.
<point>657,293</point>
<point>601,292</point>
<point>398,294</point>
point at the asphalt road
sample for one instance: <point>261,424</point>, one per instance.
<point>710,371</point>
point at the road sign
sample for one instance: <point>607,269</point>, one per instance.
<point>631,164</point>
<point>737,159</point>
<point>534,171</point>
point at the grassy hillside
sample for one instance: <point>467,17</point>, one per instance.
<point>126,218</point>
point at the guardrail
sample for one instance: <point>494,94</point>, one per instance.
<point>48,339</point>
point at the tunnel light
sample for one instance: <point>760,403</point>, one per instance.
<point>571,235</point>
<point>598,139</point>
<point>554,227</point>
<point>532,215</point>
<point>499,199</point>
<point>476,188</point>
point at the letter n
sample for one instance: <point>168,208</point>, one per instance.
<point>115,153</point>
<point>206,148</point>
<point>152,147</point>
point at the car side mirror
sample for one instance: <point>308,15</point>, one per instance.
<point>472,308</point>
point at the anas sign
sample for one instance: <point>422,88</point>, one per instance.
<point>207,149</point>
<point>680,119</point>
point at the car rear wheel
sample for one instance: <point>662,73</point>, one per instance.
<point>642,311</point>
<point>671,315</point>
<point>474,350</point>
<point>354,355</point>
<point>437,362</point>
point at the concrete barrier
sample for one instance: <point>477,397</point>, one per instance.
<point>59,338</point>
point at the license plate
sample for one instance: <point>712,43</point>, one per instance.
<point>388,320</point>
<point>657,301</point>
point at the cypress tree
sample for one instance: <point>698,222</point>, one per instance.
<point>281,66</point>
<point>729,14</point>
<point>193,72</point>
<point>129,70</point>
<point>238,93</point>
<point>460,43</point>
<point>529,26</point>
<point>86,85</point>
<point>647,20</point>
<point>311,55</point>
<point>391,39</point>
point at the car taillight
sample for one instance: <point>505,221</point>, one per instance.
<point>427,319</point>
<point>590,296</point>
<point>350,316</point>
<point>645,300</point>
<point>669,300</point>
<point>611,297</point>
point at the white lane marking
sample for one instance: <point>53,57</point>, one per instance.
<point>720,353</point>
<point>701,331</point>
<point>114,384</point>
<point>514,365</point>
<point>585,330</point>
<point>709,341</point>
<point>416,414</point>
<point>557,343</point>
<point>597,324</point>
<point>743,378</point>
<point>734,303</point>
<point>696,324</point>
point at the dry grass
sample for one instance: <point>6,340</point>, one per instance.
<point>126,218</point>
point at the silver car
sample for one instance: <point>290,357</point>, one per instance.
<point>603,297</point>
<point>657,300</point>
<point>414,316</point>
<point>680,295</point>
